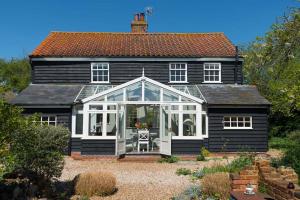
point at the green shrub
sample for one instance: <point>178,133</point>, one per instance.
<point>183,171</point>
<point>292,158</point>
<point>169,159</point>
<point>205,152</point>
<point>280,143</point>
<point>200,157</point>
<point>40,150</point>
<point>235,166</point>
<point>262,188</point>
<point>193,192</point>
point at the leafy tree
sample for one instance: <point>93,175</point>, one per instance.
<point>15,74</point>
<point>272,63</point>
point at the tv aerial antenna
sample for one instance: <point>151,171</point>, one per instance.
<point>148,11</point>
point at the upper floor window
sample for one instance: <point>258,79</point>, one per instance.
<point>178,72</point>
<point>237,122</point>
<point>212,72</point>
<point>100,72</point>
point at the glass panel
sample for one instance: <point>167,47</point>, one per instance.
<point>95,125</point>
<point>189,107</point>
<point>111,126</point>
<point>174,107</point>
<point>52,118</point>
<point>169,96</point>
<point>96,107</point>
<point>226,124</point>
<point>111,107</point>
<point>189,124</point>
<point>79,124</point>
<point>44,118</point>
<point>152,93</point>
<point>134,92</point>
<point>203,124</point>
<point>131,116</point>
<point>52,123</point>
<point>247,124</point>
<point>115,96</point>
<point>227,119</point>
<point>174,124</point>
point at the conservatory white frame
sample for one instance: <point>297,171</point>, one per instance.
<point>92,100</point>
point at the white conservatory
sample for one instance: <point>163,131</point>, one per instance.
<point>143,116</point>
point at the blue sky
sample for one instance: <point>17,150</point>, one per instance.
<point>24,24</point>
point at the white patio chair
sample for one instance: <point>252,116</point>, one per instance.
<point>143,138</point>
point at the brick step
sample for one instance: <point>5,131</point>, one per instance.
<point>140,158</point>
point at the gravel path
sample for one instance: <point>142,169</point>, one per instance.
<point>139,180</point>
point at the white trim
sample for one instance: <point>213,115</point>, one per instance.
<point>185,69</point>
<point>99,137</point>
<point>142,79</point>
<point>108,73</point>
<point>220,72</point>
<point>186,138</point>
<point>106,59</point>
<point>48,121</point>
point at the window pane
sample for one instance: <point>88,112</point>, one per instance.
<point>134,92</point>
<point>169,96</point>
<point>111,107</point>
<point>189,124</point>
<point>45,118</point>
<point>203,124</point>
<point>79,124</point>
<point>227,119</point>
<point>152,93</point>
<point>116,96</point>
<point>52,118</point>
<point>52,123</point>
<point>174,107</point>
<point>174,124</point>
<point>95,125</point>
<point>226,124</point>
<point>247,119</point>
<point>96,107</point>
<point>189,107</point>
<point>111,124</point>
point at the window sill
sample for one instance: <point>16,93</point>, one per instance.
<point>212,82</point>
<point>178,82</point>
<point>238,128</point>
<point>102,82</point>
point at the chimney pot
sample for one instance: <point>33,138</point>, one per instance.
<point>139,24</point>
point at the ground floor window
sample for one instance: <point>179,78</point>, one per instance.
<point>237,122</point>
<point>189,124</point>
<point>48,120</point>
<point>95,125</point>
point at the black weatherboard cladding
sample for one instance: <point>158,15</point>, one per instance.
<point>121,72</point>
<point>231,140</point>
<point>188,146</point>
<point>98,147</point>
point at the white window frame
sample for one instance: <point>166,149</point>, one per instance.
<point>185,69</point>
<point>220,72</point>
<point>237,121</point>
<point>108,72</point>
<point>48,121</point>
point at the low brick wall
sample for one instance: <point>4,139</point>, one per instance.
<point>274,180</point>
<point>277,180</point>
<point>240,180</point>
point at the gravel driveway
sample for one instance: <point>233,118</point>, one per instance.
<point>137,180</point>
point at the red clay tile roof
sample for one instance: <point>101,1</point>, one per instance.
<point>93,44</point>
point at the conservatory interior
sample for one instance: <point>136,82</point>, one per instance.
<point>142,115</point>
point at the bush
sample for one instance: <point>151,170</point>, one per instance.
<point>183,171</point>
<point>193,192</point>
<point>169,159</point>
<point>95,183</point>
<point>40,150</point>
<point>200,157</point>
<point>216,185</point>
<point>240,163</point>
<point>205,152</point>
<point>280,143</point>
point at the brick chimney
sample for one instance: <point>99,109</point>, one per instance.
<point>139,24</point>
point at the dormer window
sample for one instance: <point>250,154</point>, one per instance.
<point>178,72</point>
<point>212,72</point>
<point>100,72</point>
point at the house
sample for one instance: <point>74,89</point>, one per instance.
<point>146,93</point>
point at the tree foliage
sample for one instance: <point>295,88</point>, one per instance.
<point>28,146</point>
<point>15,74</point>
<point>272,63</point>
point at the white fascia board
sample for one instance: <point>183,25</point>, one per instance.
<point>107,59</point>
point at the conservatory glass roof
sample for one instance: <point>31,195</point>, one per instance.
<point>151,91</point>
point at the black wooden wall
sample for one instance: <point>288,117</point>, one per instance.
<point>120,72</point>
<point>231,140</point>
